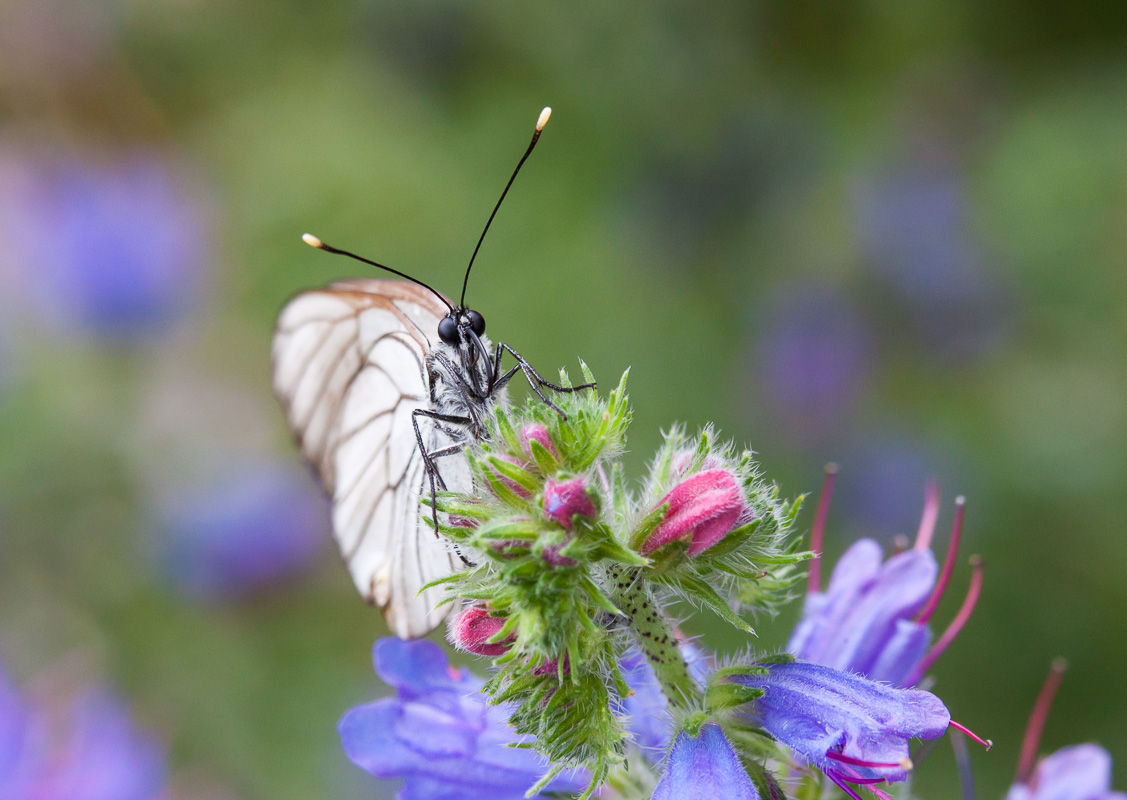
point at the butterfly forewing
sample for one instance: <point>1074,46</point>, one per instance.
<point>350,367</point>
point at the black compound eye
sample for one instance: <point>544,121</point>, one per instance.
<point>448,330</point>
<point>477,322</point>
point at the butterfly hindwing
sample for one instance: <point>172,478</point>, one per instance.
<point>350,367</point>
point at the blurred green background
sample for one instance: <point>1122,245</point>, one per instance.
<point>887,235</point>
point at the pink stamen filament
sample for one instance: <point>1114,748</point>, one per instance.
<point>1032,738</point>
<point>818,530</point>
<point>948,564</point>
<point>859,762</point>
<point>930,516</point>
<point>956,626</point>
<point>987,743</point>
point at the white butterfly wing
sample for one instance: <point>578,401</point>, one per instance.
<point>349,368</point>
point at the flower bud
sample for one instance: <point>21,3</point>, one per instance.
<point>536,431</point>
<point>564,499</point>
<point>474,627</point>
<point>702,509</point>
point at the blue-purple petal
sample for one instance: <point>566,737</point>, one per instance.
<point>704,767</point>
<point>814,709</point>
<point>440,734</point>
<point>647,719</point>
<point>858,623</point>
<point>903,650</point>
<point>1079,772</point>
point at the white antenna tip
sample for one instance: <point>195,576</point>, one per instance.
<point>540,123</point>
<point>312,240</point>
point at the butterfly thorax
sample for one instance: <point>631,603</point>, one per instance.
<point>460,385</point>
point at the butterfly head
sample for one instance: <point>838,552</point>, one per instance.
<point>455,328</point>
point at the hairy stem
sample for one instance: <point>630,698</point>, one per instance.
<point>654,634</point>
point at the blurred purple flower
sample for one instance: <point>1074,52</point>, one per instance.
<point>915,225</point>
<point>440,734</point>
<point>114,249</point>
<point>854,730</point>
<point>90,751</point>
<point>887,467</point>
<point>1080,772</point>
<point>704,766</point>
<point>252,523</point>
<point>815,357</point>
<point>873,618</point>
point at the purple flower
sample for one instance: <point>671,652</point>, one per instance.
<point>440,734</point>
<point>253,523</point>
<point>872,619</point>
<point>1080,772</point>
<point>703,509</point>
<point>855,730</point>
<point>17,733</point>
<point>815,356</point>
<point>915,224</point>
<point>116,249</point>
<point>704,766</point>
<point>91,751</point>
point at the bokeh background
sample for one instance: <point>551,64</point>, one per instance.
<point>890,235</point>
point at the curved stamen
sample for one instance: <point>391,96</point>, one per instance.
<point>1032,738</point>
<point>930,515</point>
<point>904,763</point>
<point>956,626</point>
<point>948,564</point>
<point>818,530</point>
<point>987,743</point>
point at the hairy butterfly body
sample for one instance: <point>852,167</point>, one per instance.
<point>384,383</point>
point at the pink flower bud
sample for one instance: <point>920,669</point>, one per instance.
<point>540,434</point>
<point>564,499</point>
<point>474,627</point>
<point>703,509</point>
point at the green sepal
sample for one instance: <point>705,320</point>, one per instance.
<point>545,460</point>
<point>608,548</point>
<point>457,577</point>
<point>647,525</point>
<point>514,472</point>
<point>507,433</point>
<point>700,590</point>
<point>764,781</point>
<point>724,695</point>
<point>522,530</point>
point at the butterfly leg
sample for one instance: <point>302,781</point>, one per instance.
<point>433,474</point>
<point>535,379</point>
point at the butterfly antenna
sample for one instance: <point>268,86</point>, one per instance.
<point>313,241</point>
<point>540,123</point>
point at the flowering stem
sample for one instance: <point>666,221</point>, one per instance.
<point>654,634</point>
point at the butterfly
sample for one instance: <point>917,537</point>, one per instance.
<point>384,384</point>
